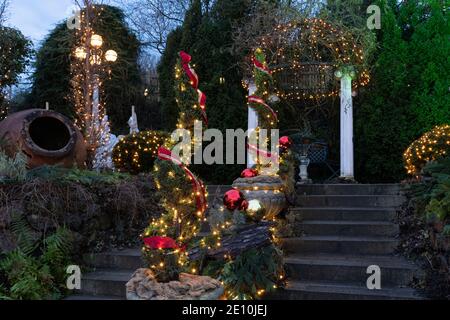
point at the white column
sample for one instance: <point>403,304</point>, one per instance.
<point>252,124</point>
<point>347,159</point>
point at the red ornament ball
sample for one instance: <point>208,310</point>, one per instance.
<point>233,199</point>
<point>249,173</point>
<point>285,142</point>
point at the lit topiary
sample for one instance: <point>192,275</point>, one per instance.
<point>137,152</point>
<point>431,146</point>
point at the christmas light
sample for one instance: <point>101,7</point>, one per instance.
<point>430,146</point>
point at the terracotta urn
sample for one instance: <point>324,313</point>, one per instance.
<point>45,137</point>
<point>267,189</point>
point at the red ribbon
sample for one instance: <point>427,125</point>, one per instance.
<point>260,66</point>
<point>197,185</point>
<point>202,103</point>
<point>264,153</point>
<point>185,60</point>
<point>258,100</point>
<point>193,79</point>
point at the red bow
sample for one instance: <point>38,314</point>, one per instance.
<point>261,67</point>
<point>193,78</point>
<point>161,243</point>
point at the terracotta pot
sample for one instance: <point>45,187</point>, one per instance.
<point>45,137</point>
<point>267,189</point>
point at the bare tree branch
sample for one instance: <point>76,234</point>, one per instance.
<point>3,10</point>
<point>155,19</point>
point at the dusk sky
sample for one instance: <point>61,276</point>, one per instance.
<point>35,18</point>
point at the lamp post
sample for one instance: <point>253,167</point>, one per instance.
<point>91,53</point>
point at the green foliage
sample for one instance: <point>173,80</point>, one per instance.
<point>13,169</point>
<point>251,274</point>
<point>207,36</point>
<point>432,194</point>
<point>408,93</point>
<point>446,230</point>
<point>439,206</point>
<point>184,208</point>
<point>51,78</point>
<point>15,54</point>
<point>263,82</point>
<point>36,269</point>
<point>28,279</point>
<point>84,177</point>
<point>137,152</point>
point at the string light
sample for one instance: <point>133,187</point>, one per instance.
<point>306,54</point>
<point>430,146</point>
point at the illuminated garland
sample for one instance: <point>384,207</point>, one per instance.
<point>259,101</point>
<point>430,146</point>
<point>313,46</point>
<point>183,194</point>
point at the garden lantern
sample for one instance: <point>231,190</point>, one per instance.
<point>111,56</point>
<point>96,41</point>
<point>80,53</point>
<point>97,62</point>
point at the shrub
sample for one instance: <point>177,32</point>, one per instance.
<point>137,152</point>
<point>432,194</point>
<point>431,146</point>
<point>36,269</point>
<point>252,274</point>
<point>13,168</point>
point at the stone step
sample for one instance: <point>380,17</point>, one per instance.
<point>348,189</point>
<point>110,283</point>
<point>395,271</point>
<point>81,297</point>
<point>347,228</point>
<point>296,290</point>
<point>340,244</point>
<point>344,214</point>
<point>128,259</point>
<point>379,201</point>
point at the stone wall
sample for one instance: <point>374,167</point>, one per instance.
<point>100,214</point>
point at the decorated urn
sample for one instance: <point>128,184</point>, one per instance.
<point>268,189</point>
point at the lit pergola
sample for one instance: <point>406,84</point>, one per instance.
<point>307,58</point>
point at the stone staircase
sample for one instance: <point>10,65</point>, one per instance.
<point>110,271</point>
<point>341,230</point>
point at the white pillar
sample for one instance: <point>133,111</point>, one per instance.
<point>347,159</point>
<point>252,124</point>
